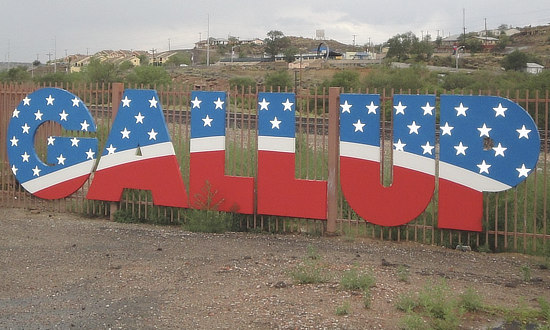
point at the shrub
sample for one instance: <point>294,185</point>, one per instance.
<point>355,280</point>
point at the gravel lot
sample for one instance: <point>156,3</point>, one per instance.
<point>63,271</point>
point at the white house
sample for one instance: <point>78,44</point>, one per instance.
<point>534,68</point>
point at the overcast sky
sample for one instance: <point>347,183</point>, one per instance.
<point>30,29</point>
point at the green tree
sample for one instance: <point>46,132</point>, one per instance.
<point>243,83</point>
<point>474,45</point>
<point>516,61</point>
<point>275,43</point>
<point>149,75</point>
<point>178,59</point>
<point>278,79</point>
<point>125,66</point>
<point>347,79</point>
<point>400,46</point>
<point>290,54</point>
<point>143,59</point>
<point>18,74</point>
<point>101,72</point>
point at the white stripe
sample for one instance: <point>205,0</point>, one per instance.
<point>360,151</point>
<point>279,144</point>
<point>414,162</point>
<point>210,143</point>
<point>59,176</point>
<point>129,156</point>
<point>470,179</point>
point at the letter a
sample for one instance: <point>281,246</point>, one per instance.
<point>139,154</point>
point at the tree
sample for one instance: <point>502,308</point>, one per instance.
<point>400,46</point>
<point>516,61</point>
<point>275,43</point>
<point>474,45</point>
<point>143,59</point>
<point>278,79</point>
<point>101,72</point>
<point>17,74</point>
<point>347,79</point>
<point>290,54</point>
<point>178,59</point>
<point>149,75</point>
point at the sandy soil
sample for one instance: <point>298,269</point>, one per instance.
<point>63,271</point>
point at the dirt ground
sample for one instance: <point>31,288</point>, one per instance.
<point>63,271</point>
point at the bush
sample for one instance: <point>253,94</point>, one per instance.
<point>280,79</point>
<point>355,280</point>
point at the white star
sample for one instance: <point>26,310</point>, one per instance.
<point>38,115</point>
<point>287,105</point>
<point>263,104</point>
<point>63,115</point>
<point>372,107</point>
<point>428,109</point>
<point>14,141</point>
<point>523,132</point>
<point>358,125</point>
<point>427,148</point>
<point>446,130</point>
<point>74,142</point>
<point>153,102</point>
<point>111,150</point>
<point>25,128</point>
<point>139,118</point>
<point>51,140</point>
<point>84,125</point>
<point>76,102</point>
<point>26,101</point>
<point>152,134</point>
<point>14,169</point>
<point>125,133</point>
<point>126,102</point>
<point>275,123</point>
<point>15,113</point>
<point>413,128</point>
<point>25,157</point>
<point>399,108</point>
<point>461,110</point>
<point>219,104</point>
<point>207,121</point>
<point>461,149</point>
<point>346,107</point>
<point>196,103</point>
<point>36,171</point>
<point>499,111</point>
<point>523,171</point>
<point>49,100</point>
<point>399,146</point>
<point>499,150</point>
<point>484,130</point>
<point>90,154</point>
<point>61,160</point>
<point>483,167</point>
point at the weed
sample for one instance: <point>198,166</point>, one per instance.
<point>544,308</point>
<point>310,270</point>
<point>526,273</point>
<point>470,301</point>
<point>353,279</point>
<point>403,273</point>
<point>343,309</point>
<point>407,302</point>
<point>125,216</point>
<point>412,321</point>
<point>367,298</point>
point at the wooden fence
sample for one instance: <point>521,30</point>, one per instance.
<point>515,220</point>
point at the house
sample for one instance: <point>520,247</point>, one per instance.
<point>534,68</point>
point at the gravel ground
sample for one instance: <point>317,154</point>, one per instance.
<point>64,271</point>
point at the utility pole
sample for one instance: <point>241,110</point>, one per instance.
<point>169,44</point>
<point>464,25</point>
<point>208,42</point>
<point>355,35</point>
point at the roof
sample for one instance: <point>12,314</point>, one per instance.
<point>534,65</point>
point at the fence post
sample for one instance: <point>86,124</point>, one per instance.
<point>333,139</point>
<point>117,89</point>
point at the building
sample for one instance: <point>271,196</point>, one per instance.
<point>534,68</point>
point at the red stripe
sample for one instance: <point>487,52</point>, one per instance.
<point>62,189</point>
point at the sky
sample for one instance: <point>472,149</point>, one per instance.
<point>33,29</point>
